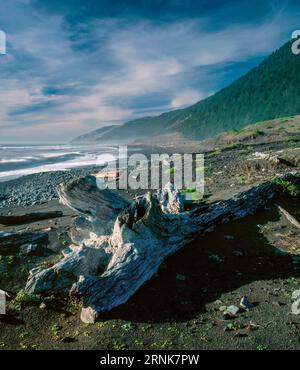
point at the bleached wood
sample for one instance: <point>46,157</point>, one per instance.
<point>123,244</point>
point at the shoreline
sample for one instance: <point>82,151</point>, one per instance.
<point>256,257</point>
<point>37,188</point>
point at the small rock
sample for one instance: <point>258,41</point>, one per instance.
<point>251,326</point>
<point>296,307</point>
<point>2,302</point>
<point>237,253</point>
<point>231,312</point>
<point>43,305</point>
<point>180,277</point>
<point>295,295</point>
<point>245,304</point>
<point>29,249</point>
<point>88,315</point>
<point>216,258</point>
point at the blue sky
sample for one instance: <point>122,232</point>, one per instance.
<point>73,66</point>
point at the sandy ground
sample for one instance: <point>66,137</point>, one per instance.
<point>182,306</point>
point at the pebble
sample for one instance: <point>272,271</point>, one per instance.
<point>245,304</point>
<point>36,188</point>
<point>295,295</point>
<point>88,315</point>
<point>231,312</point>
<point>238,253</point>
<point>216,258</point>
<point>296,302</point>
<point>29,249</point>
<point>296,307</point>
<point>229,237</point>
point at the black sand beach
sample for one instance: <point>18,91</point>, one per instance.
<point>182,306</point>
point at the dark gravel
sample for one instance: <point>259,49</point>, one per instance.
<point>35,189</point>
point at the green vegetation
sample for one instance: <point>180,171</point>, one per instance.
<point>11,259</point>
<point>118,346</point>
<point>262,347</point>
<point>287,187</point>
<point>55,329</point>
<point>258,133</point>
<point>188,191</point>
<point>293,140</point>
<point>171,170</point>
<point>23,298</point>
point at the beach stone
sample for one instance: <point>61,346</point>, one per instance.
<point>88,315</point>
<point>180,277</point>
<point>29,249</point>
<point>2,302</point>
<point>231,312</point>
<point>237,253</point>
<point>245,304</point>
<point>296,307</point>
<point>296,295</point>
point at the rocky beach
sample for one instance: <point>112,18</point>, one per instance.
<point>233,288</point>
<point>36,189</point>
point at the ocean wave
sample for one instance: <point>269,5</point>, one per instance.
<point>83,161</point>
<point>57,155</point>
<point>13,160</point>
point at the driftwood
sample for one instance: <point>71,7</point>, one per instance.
<point>28,218</point>
<point>289,217</point>
<point>118,245</point>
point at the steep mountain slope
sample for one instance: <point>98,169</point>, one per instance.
<point>268,91</point>
<point>93,136</point>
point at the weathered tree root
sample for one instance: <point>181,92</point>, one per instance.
<point>122,244</point>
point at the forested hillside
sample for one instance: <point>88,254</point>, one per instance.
<point>268,91</point>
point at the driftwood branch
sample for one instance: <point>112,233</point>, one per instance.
<point>28,218</point>
<point>118,245</point>
<point>289,217</point>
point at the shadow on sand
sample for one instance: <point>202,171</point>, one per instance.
<point>212,265</point>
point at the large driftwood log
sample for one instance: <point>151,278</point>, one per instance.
<point>28,218</point>
<point>118,245</point>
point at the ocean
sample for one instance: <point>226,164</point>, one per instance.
<point>20,160</point>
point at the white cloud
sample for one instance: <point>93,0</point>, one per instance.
<point>186,98</point>
<point>128,66</point>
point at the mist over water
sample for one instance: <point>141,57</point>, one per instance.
<point>20,160</point>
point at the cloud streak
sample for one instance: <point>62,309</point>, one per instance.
<point>61,79</point>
